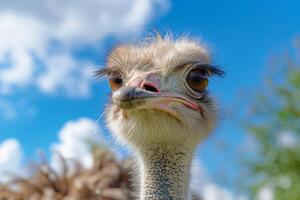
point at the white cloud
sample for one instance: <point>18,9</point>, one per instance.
<point>19,35</point>
<point>10,159</point>
<point>75,139</point>
<point>60,76</point>
<point>27,29</point>
<point>266,193</point>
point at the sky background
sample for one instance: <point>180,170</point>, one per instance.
<point>50,101</point>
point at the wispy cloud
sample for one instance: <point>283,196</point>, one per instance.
<point>26,30</point>
<point>29,29</point>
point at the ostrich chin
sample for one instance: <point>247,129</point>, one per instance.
<point>159,118</point>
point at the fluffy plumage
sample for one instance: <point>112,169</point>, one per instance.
<point>165,142</point>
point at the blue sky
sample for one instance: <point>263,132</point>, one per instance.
<point>242,36</point>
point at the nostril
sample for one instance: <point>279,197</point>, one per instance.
<point>150,88</point>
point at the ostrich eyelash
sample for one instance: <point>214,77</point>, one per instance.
<point>100,73</point>
<point>211,69</point>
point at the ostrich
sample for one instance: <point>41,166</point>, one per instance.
<point>161,109</point>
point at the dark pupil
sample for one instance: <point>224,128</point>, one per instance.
<point>118,81</point>
<point>196,78</point>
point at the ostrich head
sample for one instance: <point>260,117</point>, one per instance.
<point>161,108</point>
<point>160,92</point>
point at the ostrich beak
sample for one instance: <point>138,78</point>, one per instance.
<point>130,98</point>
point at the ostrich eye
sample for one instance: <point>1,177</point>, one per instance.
<point>115,80</point>
<point>197,79</point>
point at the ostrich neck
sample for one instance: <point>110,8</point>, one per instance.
<point>165,172</point>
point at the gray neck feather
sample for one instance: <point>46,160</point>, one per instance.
<point>165,172</point>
